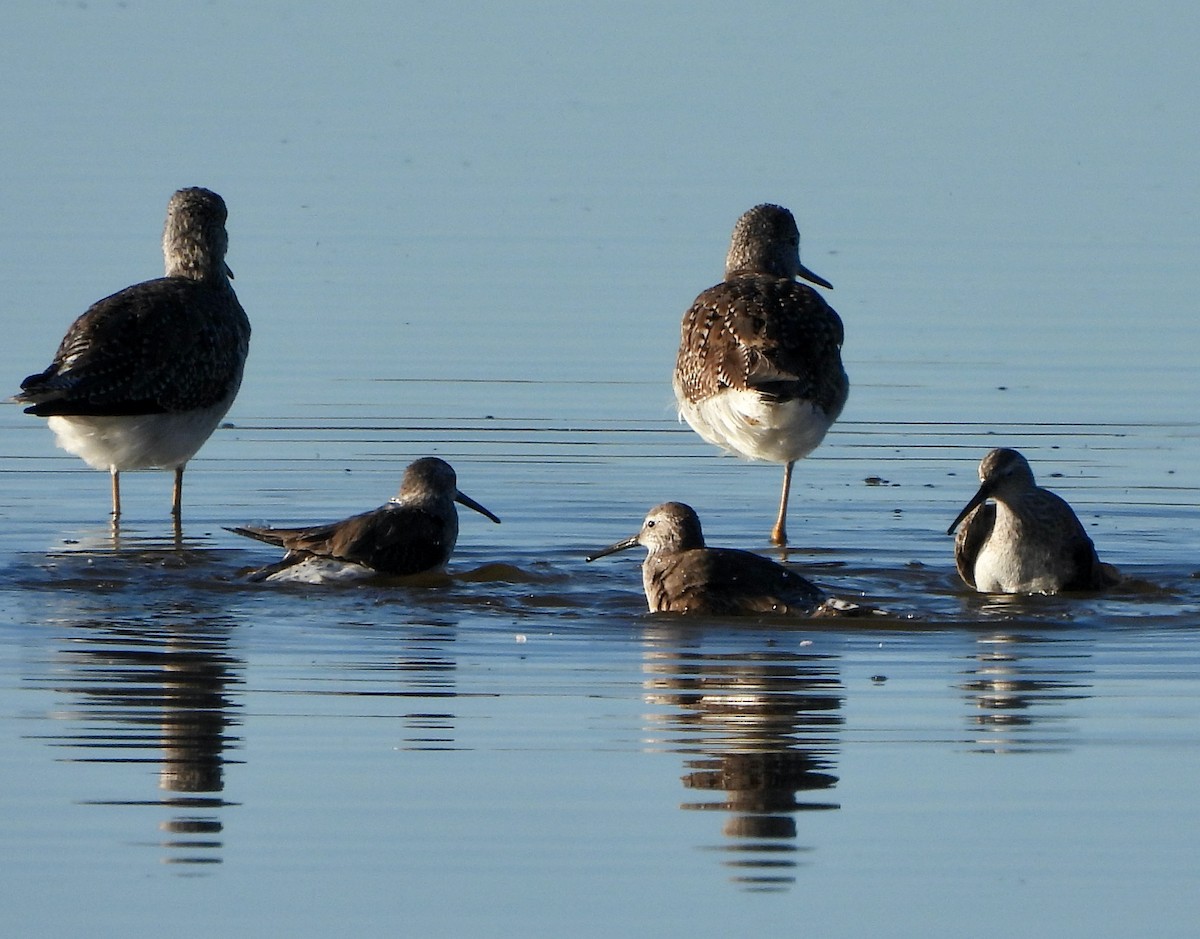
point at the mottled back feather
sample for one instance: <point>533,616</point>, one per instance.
<point>763,333</point>
<point>725,581</point>
<point>162,346</point>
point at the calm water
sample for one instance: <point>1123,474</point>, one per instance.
<point>458,235</point>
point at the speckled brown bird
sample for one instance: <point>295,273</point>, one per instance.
<point>413,533</point>
<point>681,574</point>
<point>143,377</point>
<point>1027,540</point>
<point>759,370</point>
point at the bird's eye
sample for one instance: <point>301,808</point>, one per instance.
<point>650,524</point>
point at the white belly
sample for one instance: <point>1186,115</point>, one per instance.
<point>140,441</point>
<point>316,570</point>
<point>1008,572</point>
<point>741,421</point>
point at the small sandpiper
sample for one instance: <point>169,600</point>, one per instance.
<point>682,575</point>
<point>1028,540</point>
<point>143,377</point>
<point>759,370</point>
<point>413,533</point>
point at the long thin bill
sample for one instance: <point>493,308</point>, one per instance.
<point>614,548</point>
<point>976,500</point>
<point>814,278</point>
<point>472,504</point>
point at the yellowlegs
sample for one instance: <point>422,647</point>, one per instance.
<point>1028,540</point>
<point>144,376</point>
<point>759,370</point>
<point>682,575</point>
<point>415,532</point>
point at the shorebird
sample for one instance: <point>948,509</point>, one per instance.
<point>682,575</point>
<point>1028,540</point>
<point>413,533</point>
<point>144,376</point>
<point>759,370</point>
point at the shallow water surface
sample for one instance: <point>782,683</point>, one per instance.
<point>472,233</point>
<point>518,732</point>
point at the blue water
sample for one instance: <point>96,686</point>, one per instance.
<point>472,232</point>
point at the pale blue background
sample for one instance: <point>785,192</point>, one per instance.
<point>1003,194</point>
<point>538,189</point>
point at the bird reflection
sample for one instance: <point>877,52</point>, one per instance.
<point>416,663</point>
<point>764,730</point>
<point>158,695</point>
<point>1019,688</point>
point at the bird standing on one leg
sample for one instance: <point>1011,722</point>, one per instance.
<point>143,377</point>
<point>759,369</point>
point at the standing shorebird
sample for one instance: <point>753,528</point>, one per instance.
<point>143,377</point>
<point>759,370</point>
<point>682,575</point>
<point>413,533</point>
<point>1028,540</point>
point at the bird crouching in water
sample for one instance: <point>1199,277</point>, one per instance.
<point>683,575</point>
<point>413,533</point>
<point>1027,539</point>
<point>143,377</point>
<point>759,369</point>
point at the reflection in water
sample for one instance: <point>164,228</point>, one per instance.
<point>762,727</point>
<point>1013,683</point>
<point>157,693</point>
<point>414,662</point>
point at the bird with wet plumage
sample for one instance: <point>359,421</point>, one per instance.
<point>682,574</point>
<point>1013,536</point>
<point>413,533</point>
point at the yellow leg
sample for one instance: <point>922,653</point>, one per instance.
<point>779,532</point>
<point>116,494</point>
<point>177,494</point>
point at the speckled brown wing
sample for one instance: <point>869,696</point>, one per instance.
<point>773,335</point>
<point>973,532</point>
<point>1090,572</point>
<point>1083,569</point>
<point>743,582</point>
<point>162,346</point>
<point>726,581</point>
